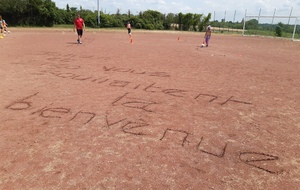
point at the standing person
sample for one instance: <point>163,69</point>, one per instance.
<point>79,26</point>
<point>128,26</point>
<point>207,35</point>
<point>4,26</point>
<point>1,26</point>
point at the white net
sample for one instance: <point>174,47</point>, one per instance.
<point>272,26</point>
<point>282,23</point>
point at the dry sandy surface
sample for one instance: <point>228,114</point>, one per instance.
<point>158,113</point>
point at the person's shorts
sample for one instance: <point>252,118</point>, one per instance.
<point>129,30</point>
<point>79,32</point>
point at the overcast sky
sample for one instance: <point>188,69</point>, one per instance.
<point>219,8</point>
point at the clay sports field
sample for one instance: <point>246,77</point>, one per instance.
<point>158,113</point>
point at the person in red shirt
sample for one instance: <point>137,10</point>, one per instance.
<point>79,26</point>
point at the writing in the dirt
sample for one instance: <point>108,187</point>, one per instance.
<point>153,88</point>
<point>139,127</point>
<point>132,71</point>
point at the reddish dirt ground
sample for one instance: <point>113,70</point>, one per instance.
<point>158,113</point>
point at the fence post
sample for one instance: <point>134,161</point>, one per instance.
<point>244,22</point>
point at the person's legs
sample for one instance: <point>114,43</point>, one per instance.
<point>77,36</point>
<point>79,32</point>
<point>207,40</point>
<point>129,32</point>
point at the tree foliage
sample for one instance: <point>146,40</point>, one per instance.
<point>28,12</point>
<point>45,13</point>
<point>252,24</point>
<point>278,29</point>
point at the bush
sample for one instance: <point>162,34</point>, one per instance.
<point>150,26</point>
<point>138,26</point>
<point>278,29</point>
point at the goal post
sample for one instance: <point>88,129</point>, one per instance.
<point>271,26</point>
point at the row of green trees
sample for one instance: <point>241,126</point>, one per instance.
<point>45,13</point>
<point>28,12</point>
